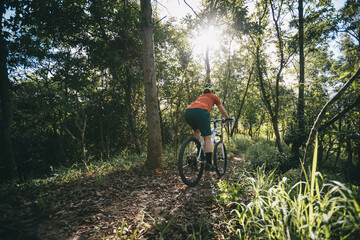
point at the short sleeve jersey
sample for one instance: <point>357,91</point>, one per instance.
<point>205,101</point>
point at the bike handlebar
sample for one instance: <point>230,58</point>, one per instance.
<point>222,120</point>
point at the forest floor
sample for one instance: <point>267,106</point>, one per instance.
<point>120,204</point>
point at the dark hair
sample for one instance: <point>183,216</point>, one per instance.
<point>207,91</point>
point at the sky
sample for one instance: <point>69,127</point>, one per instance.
<point>176,8</point>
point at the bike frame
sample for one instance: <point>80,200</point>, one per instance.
<point>214,133</point>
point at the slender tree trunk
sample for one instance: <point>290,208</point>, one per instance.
<point>154,147</point>
<point>300,118</point>
<point>339,145</point>
<point>82,130</point>
<point>228,76</point>
<point>242,102</point>
<point>207,66</point>
<point>6,154</point>
<point>273,110</point>
<point>266,100</point>
<point>275,119</point>
<point>250,130</point>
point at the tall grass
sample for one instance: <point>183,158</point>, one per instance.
<point>98,169</point>
<point>312,209</point>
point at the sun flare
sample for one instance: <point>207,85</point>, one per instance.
<point>209,37</point>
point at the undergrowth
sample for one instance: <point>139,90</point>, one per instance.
<point>98,169</point>
<point>264,152</point>
<point>310,209</point>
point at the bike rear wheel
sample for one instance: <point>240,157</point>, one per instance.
<point>190,169</point>
<point>220,158</point>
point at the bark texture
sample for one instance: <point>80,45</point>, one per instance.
<point>151,101</point>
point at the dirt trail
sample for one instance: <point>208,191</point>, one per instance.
<point>96,207</point>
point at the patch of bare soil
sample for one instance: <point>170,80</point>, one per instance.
<point>123,203</point>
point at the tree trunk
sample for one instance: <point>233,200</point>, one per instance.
<point>300,118</point>
<point>82,130</point>
<point>154,147</point>
<point>7,154</point>
<point>273,110</point>
<point>207,66</point>
<point>266,100</point>
<point>242,103</point>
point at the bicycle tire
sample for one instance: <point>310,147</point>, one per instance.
<point>190,170</point>
<point>220,158</point>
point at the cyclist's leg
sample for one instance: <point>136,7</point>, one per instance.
<point>208,153</point>
<point>197,134</point>
<point>199,120</point>
<point>205,129</point>
<point>208,144</point>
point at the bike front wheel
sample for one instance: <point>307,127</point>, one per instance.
<point>220,158</point>
<point>190,169</point>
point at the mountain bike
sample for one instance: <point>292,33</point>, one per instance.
<point>192,156</point>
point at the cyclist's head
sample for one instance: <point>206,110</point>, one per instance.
<point>208,88</point>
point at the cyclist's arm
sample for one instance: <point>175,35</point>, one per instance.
<point>223,111</point>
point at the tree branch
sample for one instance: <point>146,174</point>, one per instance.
<point>193,10</point>
<point>340,115</point>
<point>317,122</point>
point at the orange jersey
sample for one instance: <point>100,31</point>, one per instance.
<point>205,101</point>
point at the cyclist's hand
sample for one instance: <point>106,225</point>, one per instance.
<point>229,119</point>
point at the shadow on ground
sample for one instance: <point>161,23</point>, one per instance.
<point>145,204</point>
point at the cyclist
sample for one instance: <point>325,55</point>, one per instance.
<point>197,116</point>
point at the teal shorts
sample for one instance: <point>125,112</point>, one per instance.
<point>198,118</point>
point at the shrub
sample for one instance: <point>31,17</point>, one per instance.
<point>265,153</point>
<point>239,144</point>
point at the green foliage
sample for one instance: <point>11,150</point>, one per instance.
<point>265,153</point>
<point>98,169</point>
<point>314,209</point>
<point>292,176</point>
<point>229,192</point>
<point>239,144</point>
<point>121,232</point>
